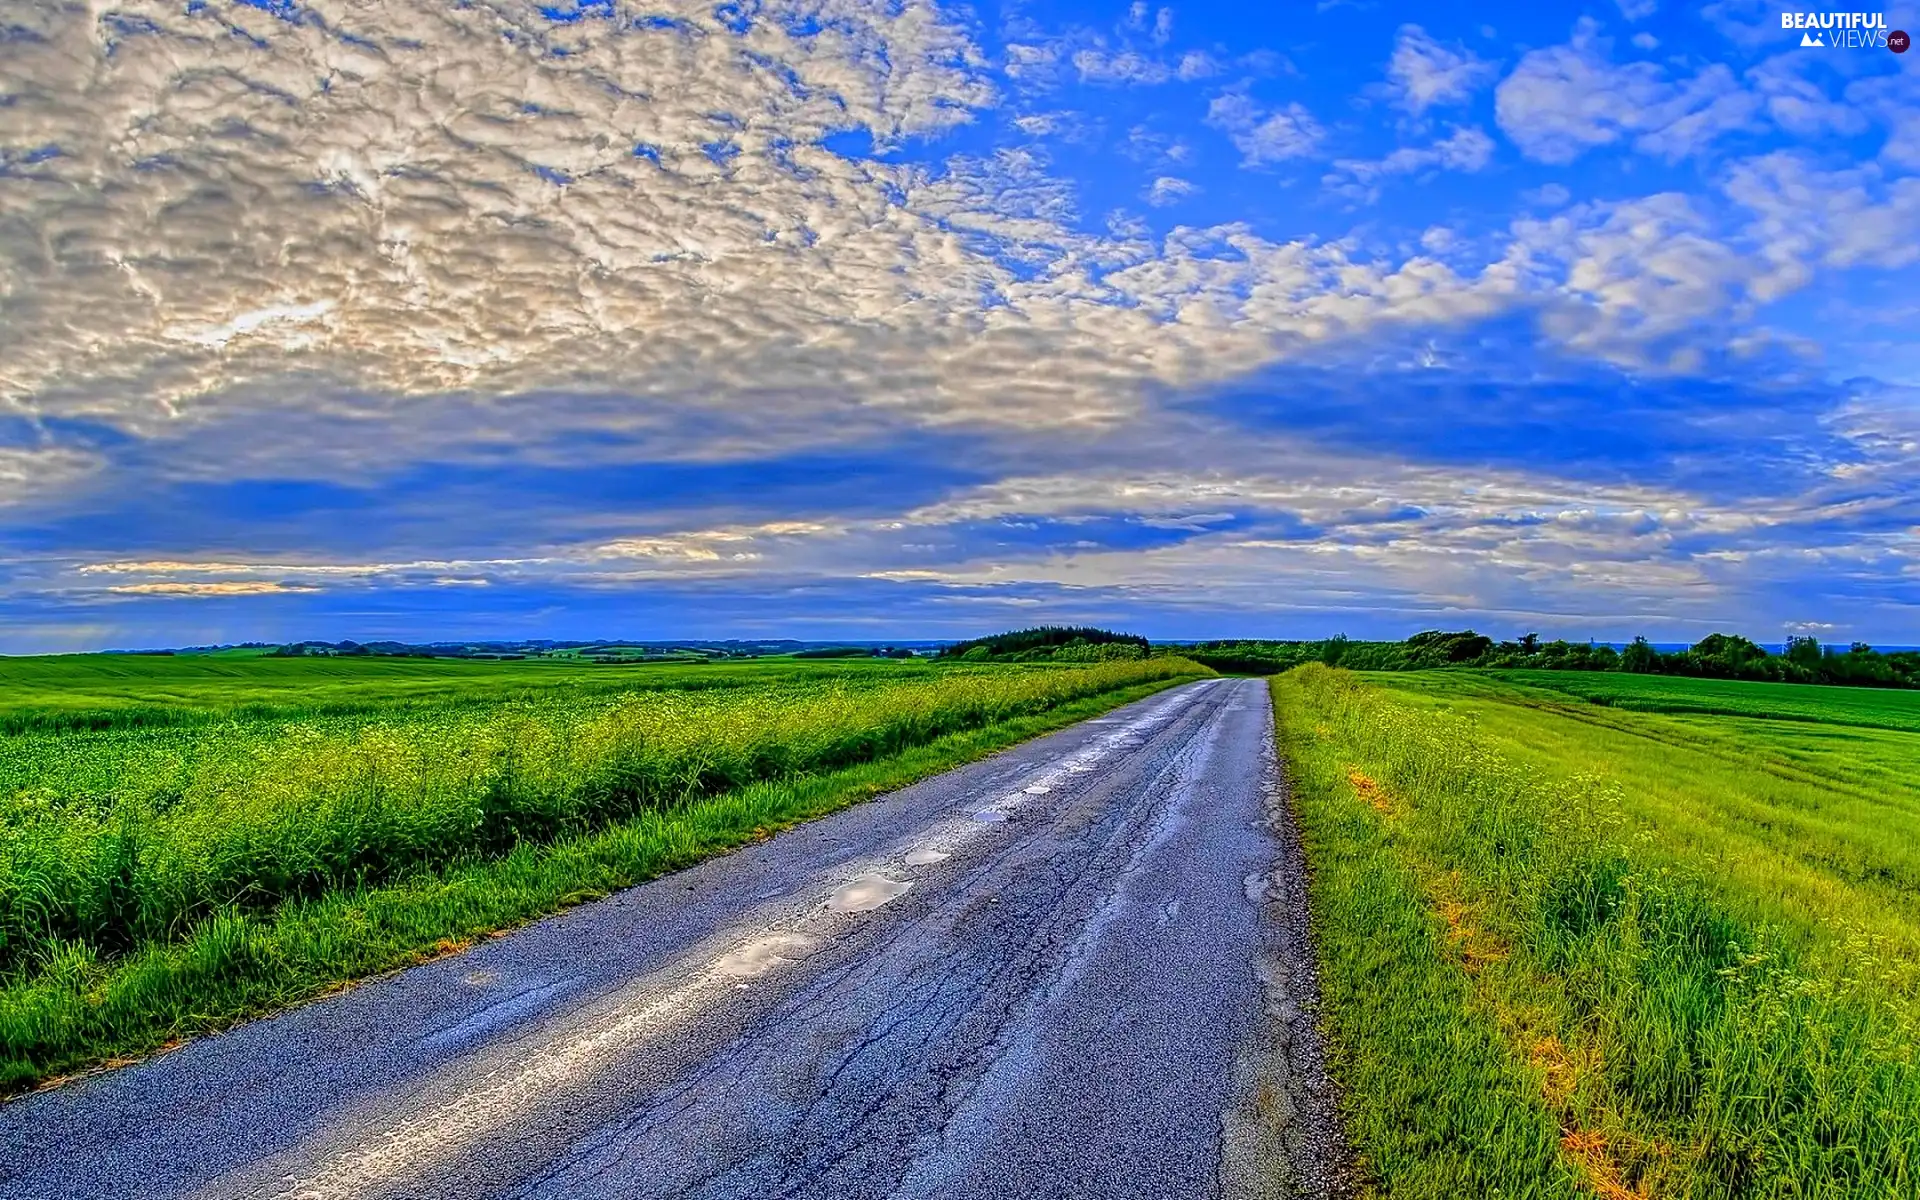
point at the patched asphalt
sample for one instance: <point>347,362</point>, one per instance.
<point>1080,968</point>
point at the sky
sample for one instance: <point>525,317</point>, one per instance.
<point>886,318</point>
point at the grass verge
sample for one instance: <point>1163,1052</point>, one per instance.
<point>1528,995</point>
<point>111,841</point>
<point>80,1012</point>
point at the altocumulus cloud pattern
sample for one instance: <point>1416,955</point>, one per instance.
<point>862,318</point>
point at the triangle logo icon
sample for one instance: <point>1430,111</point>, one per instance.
<point>1811,39</point>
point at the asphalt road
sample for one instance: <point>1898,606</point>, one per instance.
<point>1075,969</point>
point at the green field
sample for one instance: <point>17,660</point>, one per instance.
<point>100,691</point>
<point>1870,707</point>
<point>1616,935</point>
<point>188,841</point>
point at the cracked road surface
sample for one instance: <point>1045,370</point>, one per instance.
<point>1076,969</point>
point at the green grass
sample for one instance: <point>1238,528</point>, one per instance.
<point>1572,949</point>
<point>161,880</point>
<point>1883,708</point>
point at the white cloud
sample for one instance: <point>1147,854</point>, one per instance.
<point>393,228</point>
<point>1648,277</point>
<point>1563,101</point>
<point>1265,136</point>
<point>681,552</point>
<point>1384,532</point>
<point>1169,189</point>
<point>1466,150</point>
<point>1638,10</point>
<point>1425,74</point>
<point>259,587</point>
<point>1197,64</point>
<point>1547,195</point>
<point>1125,67</point>
<point>1749,24</point>
<point>1641,277</point>
<point>1058,123</point>
<point>383,272</point>
<point>1145,145</point>
<point>1799,105</point>
<point>1805,217</point>
<point>27,472</point>
<point>1894,101</point>
<point>191,567</point>
<point>1162,23</point>
<point>1033,62</point>
<point>471,245</point>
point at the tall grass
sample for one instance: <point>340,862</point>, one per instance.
<point>81,1008</point>
<point>1528,999</point>
<point>116,841</point>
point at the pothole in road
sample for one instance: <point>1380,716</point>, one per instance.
<point>990,816</point>
<point>1037,789</point>
<point>926,858</point>
<point>867,893</point>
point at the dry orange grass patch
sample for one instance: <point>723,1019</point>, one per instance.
<point>1476,947</point>
<point>1371,792</point>
<point>1593,1154</point>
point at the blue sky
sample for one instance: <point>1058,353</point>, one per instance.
<point>886,318</point>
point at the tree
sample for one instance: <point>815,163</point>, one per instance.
<point>1434,648</point>
<point>1530,644</point>
<point>1640,658</point>
<point>1732,648</point>
<point>1804,651</point>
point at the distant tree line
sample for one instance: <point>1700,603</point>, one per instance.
<point>1050,643</point>
<point>855,652</point>
<point>1717,656</point>
<point>352,650</point>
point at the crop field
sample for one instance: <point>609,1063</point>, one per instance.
<point>58,693</point>
<point>186,842</point>
<point>1618,936</point>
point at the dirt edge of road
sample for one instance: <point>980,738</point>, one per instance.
<point>1289,1107</point>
